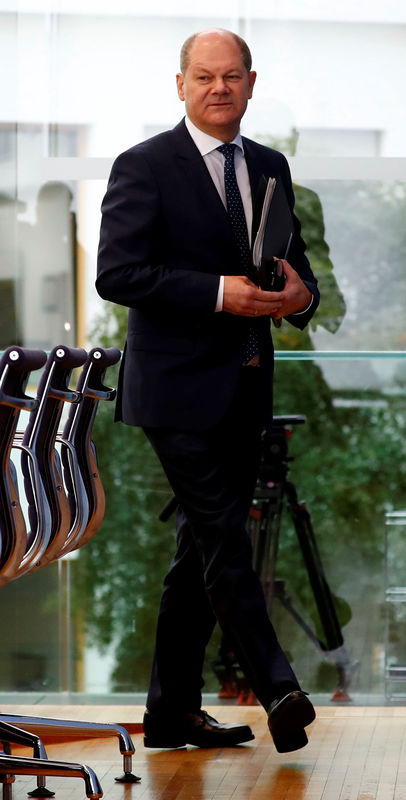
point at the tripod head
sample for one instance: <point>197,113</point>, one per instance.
<point>274,464</point>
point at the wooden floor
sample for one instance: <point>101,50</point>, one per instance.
<point>354,753</point>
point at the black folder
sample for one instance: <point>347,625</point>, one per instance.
<point>274,236</point>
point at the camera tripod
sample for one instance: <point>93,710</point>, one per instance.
<point>263,525</point>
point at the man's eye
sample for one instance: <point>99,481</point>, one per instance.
<point>233,77</point>
<point>203,78</point>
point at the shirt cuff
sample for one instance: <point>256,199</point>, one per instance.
<point>220,295</point>
<point>304,310</point>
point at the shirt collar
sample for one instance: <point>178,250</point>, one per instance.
<point>205,143</point>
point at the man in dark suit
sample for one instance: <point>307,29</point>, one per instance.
<point>178,220</point>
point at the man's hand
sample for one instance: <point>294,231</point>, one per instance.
<point>244,298</point>
<point>295,295</point>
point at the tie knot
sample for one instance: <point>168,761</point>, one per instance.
<point>228,150</point>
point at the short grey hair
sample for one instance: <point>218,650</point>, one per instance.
<point>187,46</point>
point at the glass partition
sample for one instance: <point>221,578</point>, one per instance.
<point>84,83</point>
<point>349,466</point>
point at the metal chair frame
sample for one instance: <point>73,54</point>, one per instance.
<point>21,765</point>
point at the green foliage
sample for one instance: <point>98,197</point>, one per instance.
<point>350,468</point>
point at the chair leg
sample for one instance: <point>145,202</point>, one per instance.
<point>7,780</point>
<point>19,765</point>
<point>41,790</point>
<point>13,735</point>
<point>44,726</point>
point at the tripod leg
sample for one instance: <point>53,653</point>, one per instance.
<point>285,600</point>
<point>333,648</point>
<point>263,525</point>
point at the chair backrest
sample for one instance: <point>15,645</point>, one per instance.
<point>48,507</point>
<point>16,366</point>
<point>84,486</point>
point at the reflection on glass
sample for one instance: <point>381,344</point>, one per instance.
<point>349,466</point>
<point>48,248</point>
<point>10,274</point>
<point>331,311</point>
<point>31,633</point>
<point>367,236</point>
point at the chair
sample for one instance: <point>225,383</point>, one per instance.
<point>51,513</point>
<point>39,765</point>
<point>67,519</point>
<point>48,507</point>
<point>81,475</point>
<point>16,365</point>
<point>63,728</point>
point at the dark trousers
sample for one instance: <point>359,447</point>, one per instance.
<point>213,474</point>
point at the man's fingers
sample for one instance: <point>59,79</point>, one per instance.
<point>244,298</point>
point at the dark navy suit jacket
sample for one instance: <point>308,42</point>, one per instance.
<point>165,240</point>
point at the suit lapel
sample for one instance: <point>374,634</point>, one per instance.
<point>191,161</point>
<point>196,173</point>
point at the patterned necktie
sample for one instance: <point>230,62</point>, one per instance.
<point>238,222</point>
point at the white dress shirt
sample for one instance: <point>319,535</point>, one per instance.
<point>214,160</point>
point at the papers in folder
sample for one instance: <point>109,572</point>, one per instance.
<point>275,230</point>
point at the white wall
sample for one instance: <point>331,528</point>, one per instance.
<point>115,74</point>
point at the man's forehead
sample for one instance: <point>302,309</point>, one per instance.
<point>210,47</point>
<point>222,64</point>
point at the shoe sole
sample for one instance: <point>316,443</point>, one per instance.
<point>162,744</point>
<point>221,741</point>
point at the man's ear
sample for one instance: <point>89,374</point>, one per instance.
<point>252,79</point>
<point>179,83</point>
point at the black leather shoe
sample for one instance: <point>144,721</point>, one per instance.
<point>287,718</point>
<point>199,729</point>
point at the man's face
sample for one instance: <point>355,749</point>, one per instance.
<point>216,85</point>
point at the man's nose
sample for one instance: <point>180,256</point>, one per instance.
<point>220,86</point>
